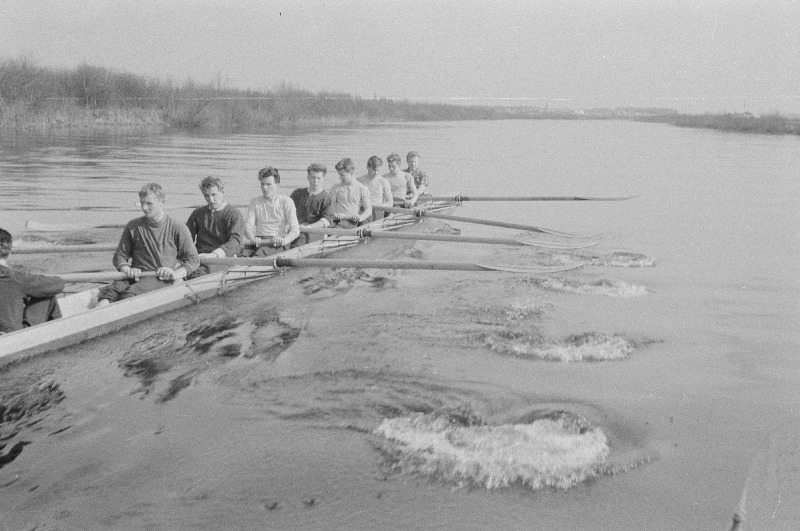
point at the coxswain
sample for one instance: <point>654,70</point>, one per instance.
<point>25,299</point>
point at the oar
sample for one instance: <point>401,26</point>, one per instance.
<point>385,264</point>
<point>460,198</point>
<point>53,249</point>
<point>448,217</point>
<point>38,226</point>
<point>368,233</point>
<point>97,277</point>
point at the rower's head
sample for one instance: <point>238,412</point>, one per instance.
<point>413,160</point>
<point>5,244</point>
<point>316,176</point>
<point>373,163</point>
<point>345,169</point>
<point>151,200</point>
<point>269,179</point>
<point>213,190</point>
<point>393,161</point>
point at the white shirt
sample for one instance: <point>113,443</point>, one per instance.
<point>271,218</point>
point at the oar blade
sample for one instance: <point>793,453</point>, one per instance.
<point>530,270</point>
<point>558,246</point>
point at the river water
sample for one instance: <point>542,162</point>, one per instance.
<point>655,388</point>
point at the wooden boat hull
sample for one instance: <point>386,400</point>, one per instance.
<point>80,323</point>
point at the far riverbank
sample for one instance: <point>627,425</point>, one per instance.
<point>86,97</point>
<point>771,124</point>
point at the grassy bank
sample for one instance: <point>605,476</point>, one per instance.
<point>42,98</point>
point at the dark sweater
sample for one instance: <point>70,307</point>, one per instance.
<point>15,288</point>
<point>217,230</point>
<point>150,245</point>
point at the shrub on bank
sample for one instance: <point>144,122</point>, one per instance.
<point>36,97</point>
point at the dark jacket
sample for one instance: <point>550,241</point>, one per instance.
<point>16,288</point>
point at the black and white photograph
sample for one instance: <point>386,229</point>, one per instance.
<point>400,264</point>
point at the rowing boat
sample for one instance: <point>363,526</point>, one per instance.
<point>81,321</point>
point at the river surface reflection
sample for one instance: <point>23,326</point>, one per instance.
<point>689,367</point>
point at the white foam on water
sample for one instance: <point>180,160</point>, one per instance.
<point>618,259</point>
<point>607,287</point>
<point>626,260</point>
<point>518,311</point>
<point>546,453</point>
<point>589,346</point>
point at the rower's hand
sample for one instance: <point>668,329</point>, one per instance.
<point>166,274</point>
<point>355,219</point>
<point>277,241</point>
<point>407,203</point>
<point>204,256</point>
<point>131,272</point>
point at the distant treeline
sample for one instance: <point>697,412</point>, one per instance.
<point>771,124</point>
<point>35,97</point>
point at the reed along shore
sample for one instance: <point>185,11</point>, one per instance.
<point>38,98</point>
<point>33,97</point>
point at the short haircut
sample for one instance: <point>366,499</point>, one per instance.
<point>211,182</point>
<point>394,157</point>
<point>315,167</point>
<point>346,164</point>
<point>412,154</point>
<point>154,189</point>
<point>269,171</point>
<point>374,162</point>
<point>5,244</point>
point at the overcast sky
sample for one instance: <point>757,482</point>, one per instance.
<point>730,55</point>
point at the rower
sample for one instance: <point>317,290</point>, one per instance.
<point>420,177</point>
<point>314,204</point>
<point>25,299</point>
<point>352,205</point>
<point>271,220</point>
<point>380,191</point>
<point>154,242</point>
<point>218,228</point>
<point>404,191</point>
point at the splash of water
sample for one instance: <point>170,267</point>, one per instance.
<point>549,452</point>
<point>607,287</point>
<point>589,346</point>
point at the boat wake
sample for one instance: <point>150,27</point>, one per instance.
<point>182,353</point>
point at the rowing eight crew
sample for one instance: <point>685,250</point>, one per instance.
<point>272,223</point>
